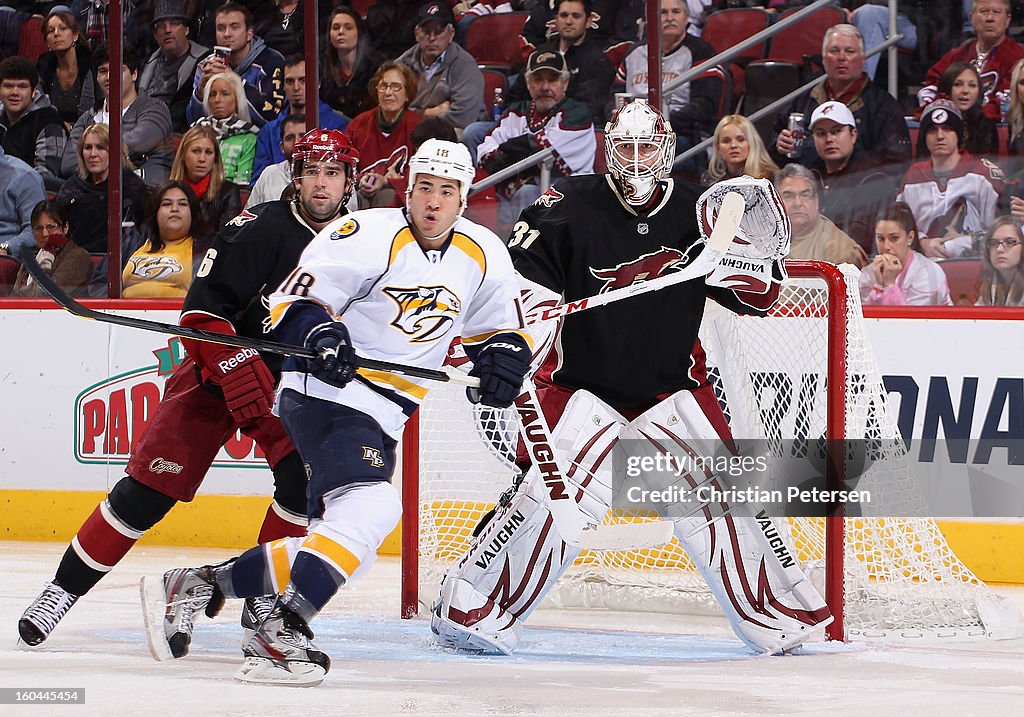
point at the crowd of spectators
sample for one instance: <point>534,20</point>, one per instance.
<point>214,95</point>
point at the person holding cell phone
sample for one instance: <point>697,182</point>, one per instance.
<point>238,50</point>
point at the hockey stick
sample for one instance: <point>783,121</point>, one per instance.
<point>729,216</point>
<point>64,299</point>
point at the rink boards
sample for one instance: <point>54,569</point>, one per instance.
<point>77,394</point>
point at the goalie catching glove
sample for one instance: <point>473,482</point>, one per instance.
<point>754,259</point>
<point>243,378</point>
<point>500,363</point>
<point>336,364</point>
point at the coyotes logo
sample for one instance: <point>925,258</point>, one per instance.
<point>425,313</point>
<point>243,218</point>
<point>648,266</point>
<point>549,197</point>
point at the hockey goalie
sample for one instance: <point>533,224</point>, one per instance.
<point>632,370</point>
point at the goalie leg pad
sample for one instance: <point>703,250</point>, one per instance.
<point>519,555</point>
<point>769,602</point>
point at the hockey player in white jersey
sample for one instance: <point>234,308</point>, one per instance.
<point>632,370</point>
<point>389,284</point>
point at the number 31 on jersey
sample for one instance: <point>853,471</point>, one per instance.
<point>522,235</point>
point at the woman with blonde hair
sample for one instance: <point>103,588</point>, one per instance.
<point>198,163</point>
<point>227,113</point>
<point>84,195</point>
<point>736,150</point>
<point>1002,281</point>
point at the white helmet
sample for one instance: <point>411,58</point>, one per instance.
<point>639,148</point>
<point>443,159</point>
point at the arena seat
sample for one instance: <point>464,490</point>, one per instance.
<point>804,37</point>
<point>31,43</point>
<point>963,277</point>
<point>493,40</point>
<point>727,28</point>
<point>8,274</point>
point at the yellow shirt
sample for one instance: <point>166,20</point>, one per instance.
<point>165,273</point>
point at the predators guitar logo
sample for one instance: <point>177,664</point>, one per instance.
<point>154,268</point>
<point>648,266</point>
<point>549,197</point>
<point>425,313</point>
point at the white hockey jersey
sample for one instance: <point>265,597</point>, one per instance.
<point>399,302</point>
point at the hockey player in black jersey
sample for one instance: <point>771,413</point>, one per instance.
<point>217,390</point>
<point>630,370</point>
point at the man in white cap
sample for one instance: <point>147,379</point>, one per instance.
<point>855,187</point>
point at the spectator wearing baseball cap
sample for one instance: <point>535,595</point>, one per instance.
<point>881,130</point>
<point>854,187</point>
<point>952,193</point>
<point>450,83</point>
<point>548,119</point>
<point>592,70</point>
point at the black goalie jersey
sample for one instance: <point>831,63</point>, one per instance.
<point>580,239</point>
<point>249,259</point>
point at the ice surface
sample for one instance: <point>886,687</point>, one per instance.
<point>571,662</point>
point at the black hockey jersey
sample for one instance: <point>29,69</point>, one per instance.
<point>580,239</point>
<point>250,257</point>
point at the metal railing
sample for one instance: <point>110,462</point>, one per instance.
<point>718,59</point>
<point>782,101</point>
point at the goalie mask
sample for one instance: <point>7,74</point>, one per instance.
<point>325,145</point>
<point>639,148</point>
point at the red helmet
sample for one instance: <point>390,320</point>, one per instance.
<point>324,144</point>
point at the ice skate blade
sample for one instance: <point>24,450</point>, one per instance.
<point>154,607</point>
<point>262,671</point>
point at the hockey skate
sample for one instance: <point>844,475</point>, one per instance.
<point>281,652</point>
<point>255,611</point>
<point>38,621</point>
<point>170,606</point>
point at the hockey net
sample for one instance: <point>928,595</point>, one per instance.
<point>883,577</point>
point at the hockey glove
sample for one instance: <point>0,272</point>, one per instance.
<point>246,381</point>
<point>337,362</point>
<point>500,364</point>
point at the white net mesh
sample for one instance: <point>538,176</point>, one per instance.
<point>900,576</point>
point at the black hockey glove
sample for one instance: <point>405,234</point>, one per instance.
<point>337,362</point>
<point>500,364</point>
